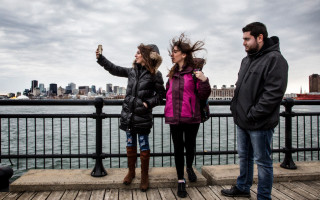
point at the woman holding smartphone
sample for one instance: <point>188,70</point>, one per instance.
<point>145,90</point>
<point>182,110</point>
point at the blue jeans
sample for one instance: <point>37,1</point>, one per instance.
<point>255,146</point>
<point>143,141</point>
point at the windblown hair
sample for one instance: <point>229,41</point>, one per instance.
<point>256,28</point>
<point>184,45</point>
<point>151,58</point>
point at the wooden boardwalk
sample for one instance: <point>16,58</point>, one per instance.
<point>282,190</point>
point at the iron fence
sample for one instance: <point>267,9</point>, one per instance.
<point>73,140</point>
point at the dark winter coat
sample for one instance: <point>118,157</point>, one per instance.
<point>262,82</point>
<point>142,87</point>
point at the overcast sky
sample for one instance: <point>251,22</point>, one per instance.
<point>55,41</point>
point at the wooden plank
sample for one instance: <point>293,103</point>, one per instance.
<point>153,194</point>
<point>175,190</point>
<point>139,195</point>
<point>3,195</point>
<point>278,194</point>
<point>41,195</point>
<point>306,188</point>
<point>254,192</point>
<point>216,189</point>
<point>83,195</point>
<point>207,193</point>
<point>97,194</point>
<point>55,195</point>
<point>166,193</point>
<point>13,195</point>
<point>125,194</point>
<point>299,190</point>
<point>316,182</point>
<point>287,191</point>
<point>69,194</point>
<point>311,188</point>
<point>26,196</point>
<point>194,193</point>
<point>112,194</point>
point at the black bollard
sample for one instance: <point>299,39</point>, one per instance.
<point>5,174</point>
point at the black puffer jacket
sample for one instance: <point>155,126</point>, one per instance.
<point>262,82</point>
<point>142,87</point>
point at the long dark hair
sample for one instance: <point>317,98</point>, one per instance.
<point>184,45</point>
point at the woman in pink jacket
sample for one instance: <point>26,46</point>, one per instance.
<point>182,110</point>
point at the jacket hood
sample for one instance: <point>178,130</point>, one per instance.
<point>154,56</point>
<point>271,44</point>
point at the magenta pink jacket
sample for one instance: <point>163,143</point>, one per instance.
<point>182,105</point>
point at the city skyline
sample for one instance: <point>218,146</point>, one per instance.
<point>71,86</point>
<point>56,41</point>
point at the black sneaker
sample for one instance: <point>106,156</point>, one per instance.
<point>234,192</point>
<point>191,175</point>
<point>182,193</point>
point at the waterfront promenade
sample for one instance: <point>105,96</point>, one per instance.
<point>52,147</point>
<point>302,183</point>
<point>298,190</point>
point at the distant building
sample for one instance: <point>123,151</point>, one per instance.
<point>116,89</point>
<point>26,92</point>
<point>34,84</point>
<point>68,90</point>
<point>11,95</point>
<point>61,91</point>
<point>100,90</point>
<point>122,90</point>
<point>53,89</point>
<point>222,94</point>
<point>18,94</point>
<point>93,89</point>
<point>314,83</point>
<point>41,87</point>
<point>75,91</point>
<point>83,90</point>
<point>36,91</point>
<point>109,88</point>
<point>72,86</point>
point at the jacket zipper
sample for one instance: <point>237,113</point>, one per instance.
<point>191,108</point>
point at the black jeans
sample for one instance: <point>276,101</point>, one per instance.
<point>183,136</point>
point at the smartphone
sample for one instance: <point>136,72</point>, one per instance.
<point>100,49</point>
<point>195,70</point>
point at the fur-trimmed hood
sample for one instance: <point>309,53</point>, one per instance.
<point>154,56</point>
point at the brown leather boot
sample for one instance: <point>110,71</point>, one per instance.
<point>132,159</point>
<point>144,157</point>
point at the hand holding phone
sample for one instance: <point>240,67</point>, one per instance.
<point>99,51</point>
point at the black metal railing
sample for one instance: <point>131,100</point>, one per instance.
<point>36,138</point>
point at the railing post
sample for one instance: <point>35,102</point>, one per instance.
<point>288,162</point>
<point>98,169</point>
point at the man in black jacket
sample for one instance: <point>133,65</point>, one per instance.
<point>261,84</point>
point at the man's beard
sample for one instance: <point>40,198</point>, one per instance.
<point>253,50</point>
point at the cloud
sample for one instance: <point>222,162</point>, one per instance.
<point>54,42</point>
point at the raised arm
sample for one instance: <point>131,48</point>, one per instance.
<point>110,67</point>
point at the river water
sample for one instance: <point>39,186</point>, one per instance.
<point>56,136</point>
